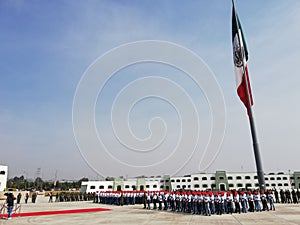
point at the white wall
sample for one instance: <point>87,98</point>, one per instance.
<point>3,177</point>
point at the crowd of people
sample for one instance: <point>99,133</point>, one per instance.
<point>199,202</point>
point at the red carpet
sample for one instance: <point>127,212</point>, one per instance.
<point>56,212</point>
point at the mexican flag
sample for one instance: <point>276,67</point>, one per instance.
<point>240,58</point>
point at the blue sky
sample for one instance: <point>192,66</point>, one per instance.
<point>46,46</point>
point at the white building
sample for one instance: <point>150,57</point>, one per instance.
<point>220,180</point>
<point>130,184</point>
<point>3,177</point>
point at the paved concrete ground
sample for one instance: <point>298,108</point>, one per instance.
<point>284,214</point>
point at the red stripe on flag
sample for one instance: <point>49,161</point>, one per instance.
<point>242,91</point>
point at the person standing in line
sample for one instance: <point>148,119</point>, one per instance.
<point>148,200</point>
<point>33,197</point>
<point>264,202</point>
<point>50,197</point>
<point>236,200</point>
<point>250,201</point>
<point>26,197</point>
<point>160,199</point>
<point>256,198</point>
<point>276,196</point>
<point>271,200</point>
<point>19,198</point>
<point>229,203</point>
<point>154,200</point>
<point>294,197</point>
<point>282,197</point>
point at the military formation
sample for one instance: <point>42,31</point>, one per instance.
<point>195,202</point>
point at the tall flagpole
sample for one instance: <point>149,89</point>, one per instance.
<point>258,161</point>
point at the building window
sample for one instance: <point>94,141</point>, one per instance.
<point>267,185</point>
<point>273,185</point>
<point>272,178</point>
<point>239,185</point>
<point>231,185</point>
<point>255,177</point>
<point>204,178</point>
<point>93,187</point>
<point>286,184</point>
<point>172,181</point>
<point>256,185</point>
<point>189,186</point>
<point>147,186</point>
<point>110,187</point>
<point>161,186</point>
<point>154,186</point>
<point>298,178</point>
<point>178,186</point>
<point>284,178</point>
<point>213,186</point>
<point>212,178</point>
<point>204,185</point>
<point>279,185</point>
<point>101,187</point>
<point>183,186</point>
<point>196,186</point>
<point>183,180</point>
<point>238,177</point>
<point>266,178</point>
<point>196,178</point>
<point>177,180</point>
<point>221,178</point>
<point>2,172</point>
<point>230,178</point>
<point>248,185</point>
<point>247,177</point>
<point>278,178</point>
<point>189,180</point>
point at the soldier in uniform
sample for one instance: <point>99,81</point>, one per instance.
<point>212,202</point>
<point>294,196</point>
<point>154,200</point>
<point>256,198</point>
<point>160,200</point>
<point>276,196</point>
<point>250,201</point>
<point>206,200</point>
<point>172,201</point>
<point>236,200</point>
<point>264,202</point>
<point>229,203</point>
<point>148,200</point>
<point>271,200</point>
<point>243,199</point>
<point>282,196</point>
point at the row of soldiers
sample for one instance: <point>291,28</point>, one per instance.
<point>287,196</point>
<point>196,202</point>
<point>72,196</point>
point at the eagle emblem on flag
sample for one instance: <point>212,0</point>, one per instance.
<point>237,53</point>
